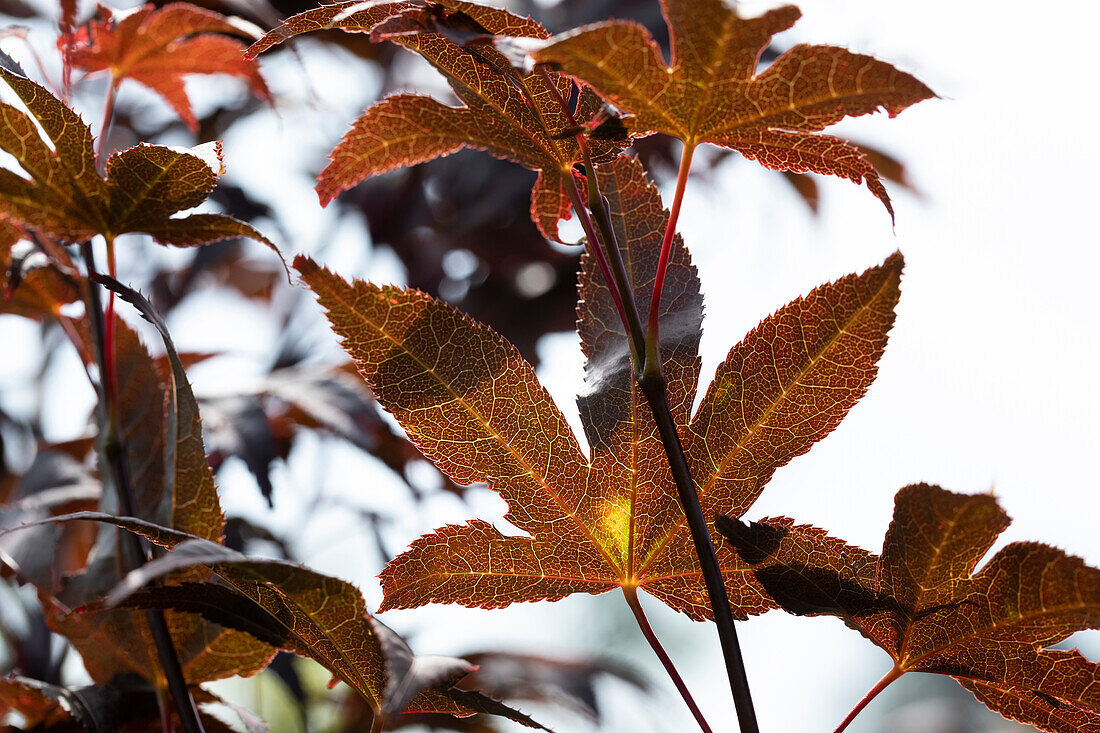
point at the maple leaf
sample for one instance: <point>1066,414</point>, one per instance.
<point>711,92</point>
<point>295,608</point>
<point>515,117</point>
<point>171,483</point>
<point>158,47</point>
<point>924,604</point>
<point>64,195</point>
<point>474,407</point>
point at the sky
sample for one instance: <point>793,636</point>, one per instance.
<point>988,383</point>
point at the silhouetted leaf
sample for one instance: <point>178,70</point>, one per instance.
<point>314,615</point>
<point>559,681</point>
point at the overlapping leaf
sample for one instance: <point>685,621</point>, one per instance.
<point>291,607</point>
<point>475,408</point>
<point>711,92</point>
<point>158,47</point>
<point>64,196</point>
<point>512,116</point>
<point>924,604</point>
<point>171,484</point>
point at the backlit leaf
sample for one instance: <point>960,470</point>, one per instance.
<point>512,116</point>
<point>924,604</point>
<point>475,408</point>
<point>158,47</point>
<point>188,499</point>
<point>171,484</point>
<point>65,197</point>
<point>711,91</point>
<point>313,615</point>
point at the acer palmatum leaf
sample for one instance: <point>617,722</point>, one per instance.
<point>181,489</point>
<point>314,615</point>
<point>157,47</point>
<point>65,197</point>
<point>923,603</point>
<point>173,486</point>
<point>512,116</point>
<point>474,407</point>
<point>712,93</point>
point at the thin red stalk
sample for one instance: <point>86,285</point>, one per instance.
<point>652,334</point>
<point>575,195</point>
<point>647,631</point>
<point>109,368</point>
<point>108,117</point>
<point>605,246</point>
<point>881,685</point>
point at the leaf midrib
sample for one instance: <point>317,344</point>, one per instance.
<point>962,640</point>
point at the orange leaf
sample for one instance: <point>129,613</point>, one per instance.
<point>512,116</point>
<point>474,407</point>
<point>712,93</point>
<point>64,195</point>
<point>924,604</point>
<point>158,47</point>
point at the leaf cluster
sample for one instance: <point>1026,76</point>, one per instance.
<point>603,511</point>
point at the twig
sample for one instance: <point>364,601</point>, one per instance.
<point>881,685</point>
<point>647,631</point>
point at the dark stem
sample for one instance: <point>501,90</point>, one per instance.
<point>116,467</point>
<point>605,247</point>
<point>652,384</point>
<point>595,249</point>
<point>571,188</point>
<point>881,685</point>
<point>649,373</point>
<point>647,631</point>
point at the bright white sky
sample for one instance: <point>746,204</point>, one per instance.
<point>989,382</point>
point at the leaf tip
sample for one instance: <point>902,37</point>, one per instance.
<point>305,265</point>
